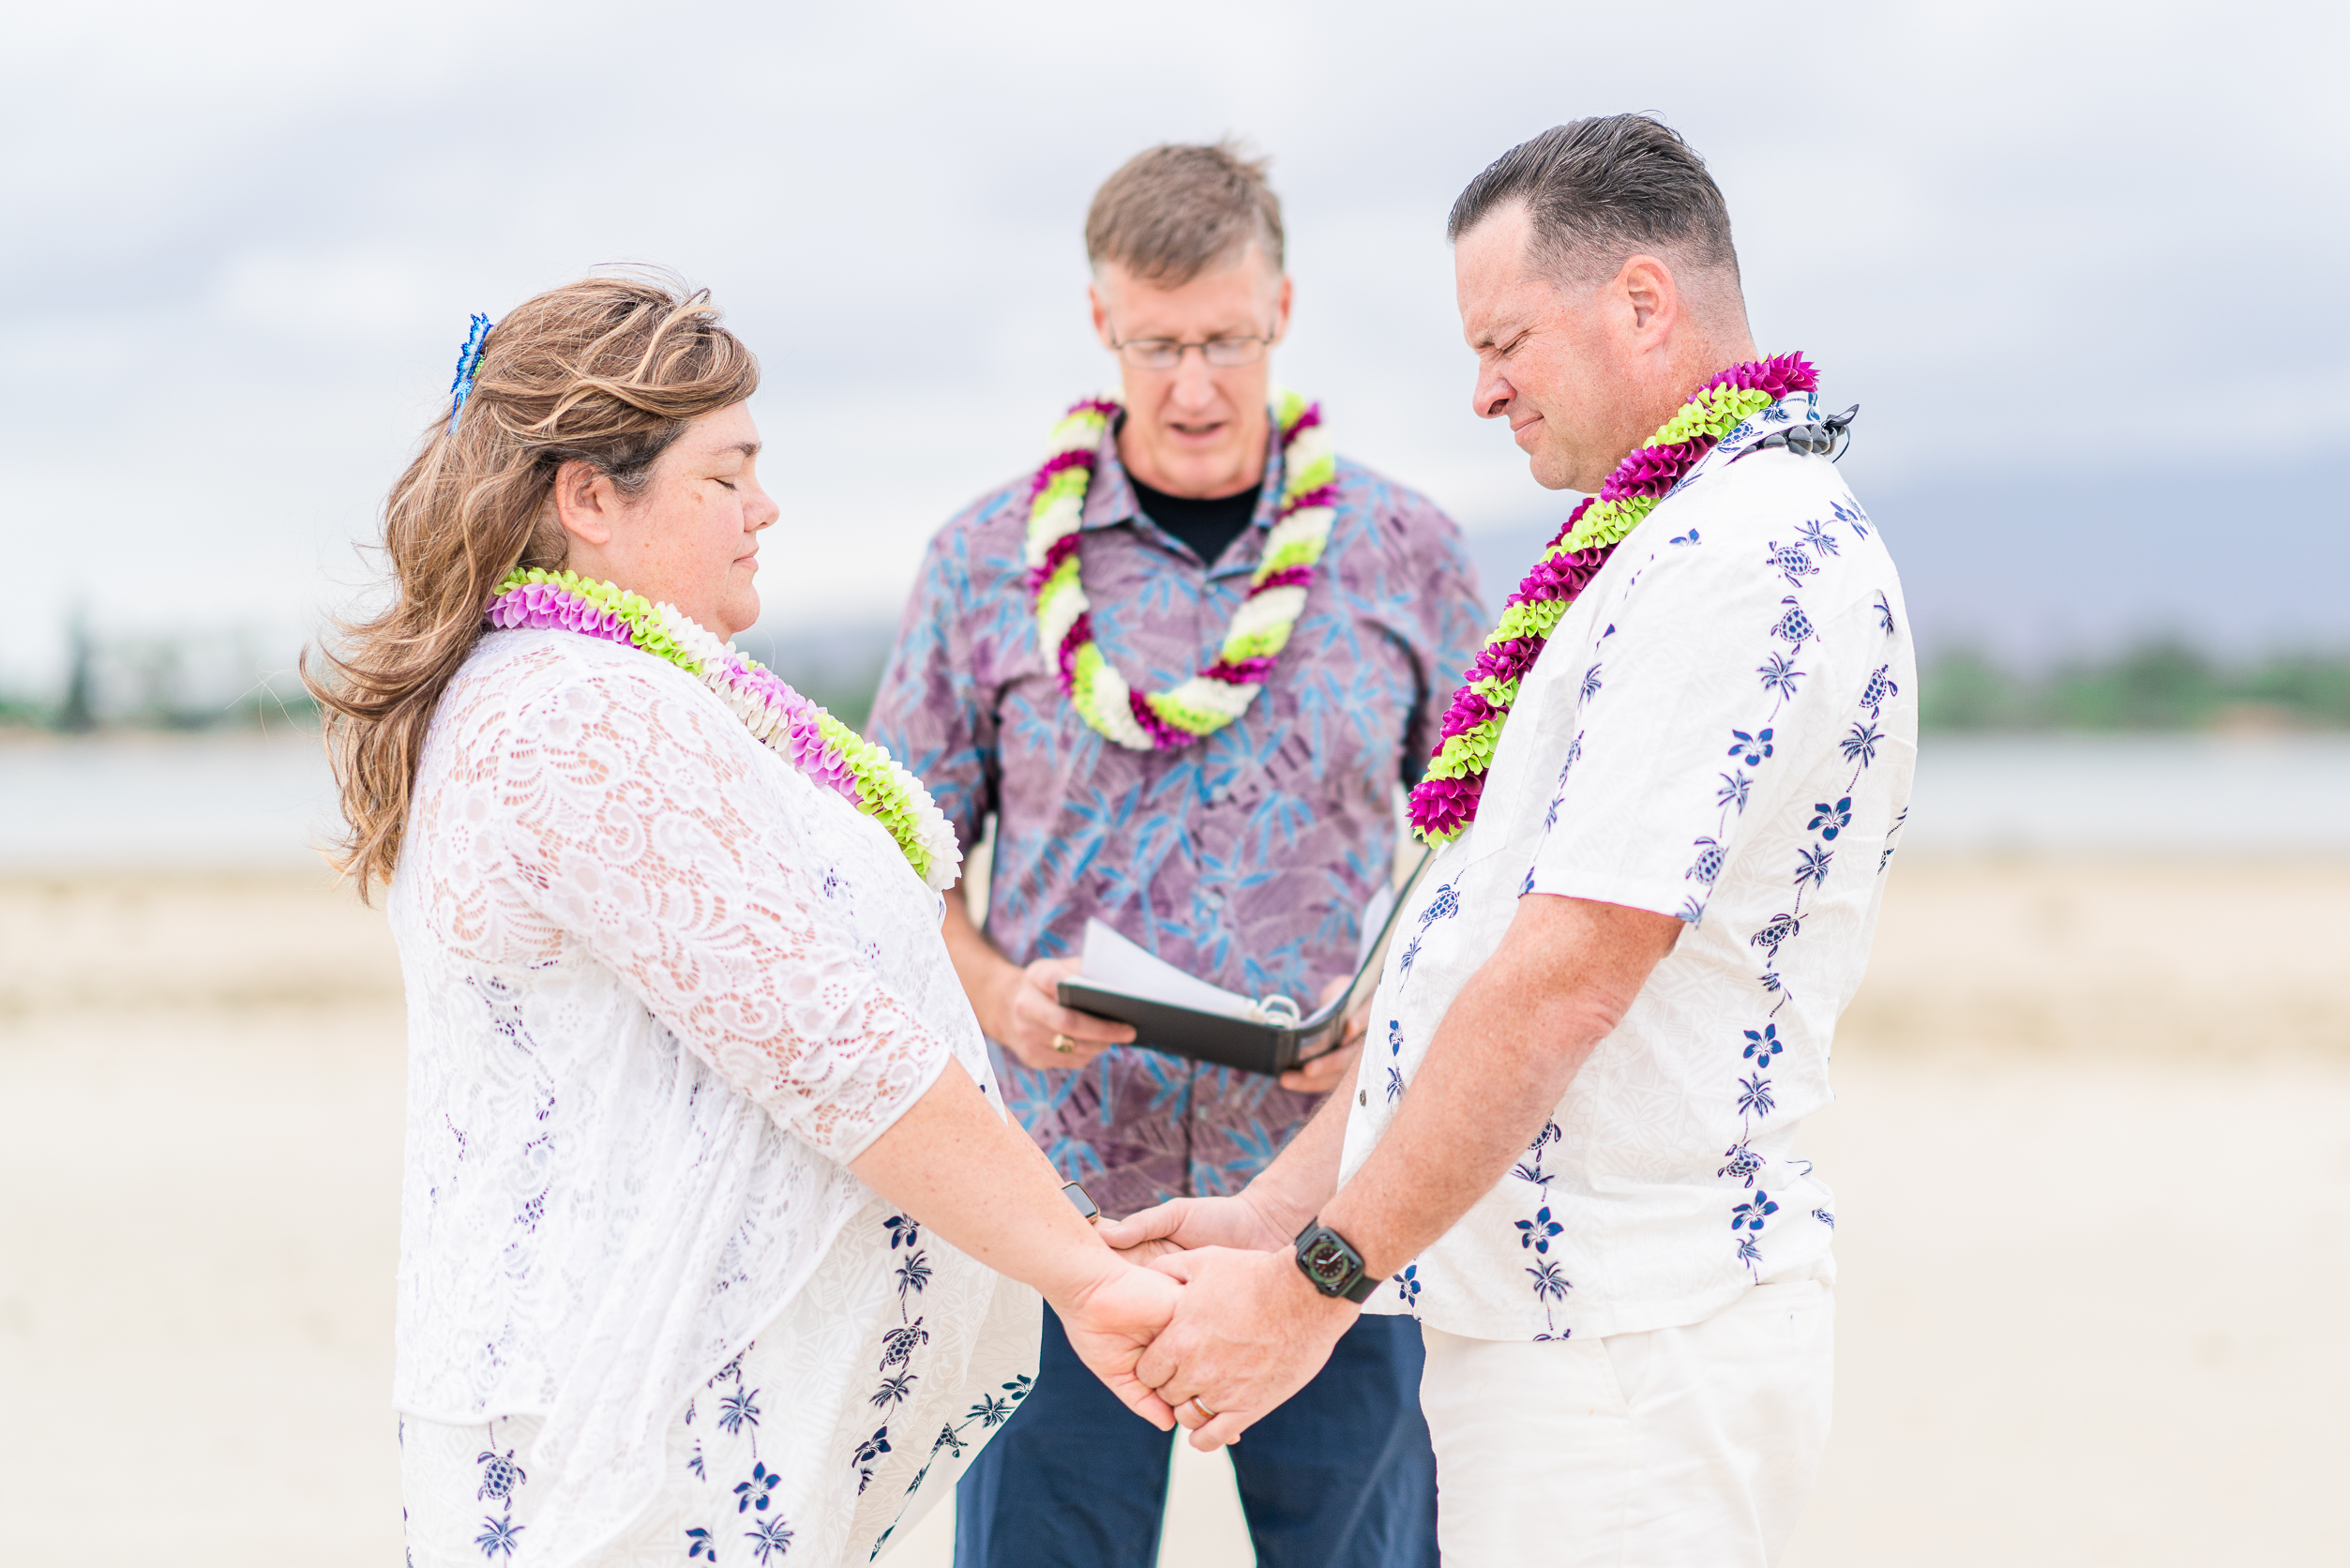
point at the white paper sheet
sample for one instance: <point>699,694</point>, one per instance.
<point>1116,964</point>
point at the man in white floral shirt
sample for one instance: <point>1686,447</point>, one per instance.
<point>1571,1149</point>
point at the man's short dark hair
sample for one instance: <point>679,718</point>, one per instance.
<point>1601,190</point>
<point>1175,211</point>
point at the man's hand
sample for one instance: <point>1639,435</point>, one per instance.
<point>1026,1019</point>
<point>1248,1333</point>
<point>1111,1324</point>
<point>1183,1223</point>
<point>1332,1068</point>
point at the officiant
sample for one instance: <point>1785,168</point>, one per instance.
<point>1183,659</point>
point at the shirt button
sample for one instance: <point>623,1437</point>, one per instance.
<point>1214,900</point>
<point>1363,1097</point>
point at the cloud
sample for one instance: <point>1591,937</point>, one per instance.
<point>245,240</point>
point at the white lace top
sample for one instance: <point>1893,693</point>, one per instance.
<point>661,989</point>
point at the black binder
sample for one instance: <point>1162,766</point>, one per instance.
<point>1271,1046</point>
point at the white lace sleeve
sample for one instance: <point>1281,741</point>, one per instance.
<point>631,813</point>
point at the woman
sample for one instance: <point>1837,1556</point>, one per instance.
<point>707,1176</point>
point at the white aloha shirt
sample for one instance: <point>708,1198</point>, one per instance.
<point>661,991</point>
<point>1723,728</point>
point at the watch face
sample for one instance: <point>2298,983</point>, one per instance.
<point>1326,1260</point>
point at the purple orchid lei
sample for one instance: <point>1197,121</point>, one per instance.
<point>1445,802</point>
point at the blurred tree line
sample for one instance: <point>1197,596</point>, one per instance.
<point>2164,685</point>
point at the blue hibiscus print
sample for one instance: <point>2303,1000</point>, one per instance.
<point>1829,819</point>
<point>755,1493</point>
<point>1537,1232</point>
<point>1752,748</point>
<point>872,1448</point>
<point>1749,1214</point>
<point>903,1231</point>
<point>702,1544</point>
<point>1763,1043</point>
<point>1408,1284</point>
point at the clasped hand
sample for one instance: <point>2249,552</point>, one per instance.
<point>1246,1331</point>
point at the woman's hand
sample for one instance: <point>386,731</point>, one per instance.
<point>1028,1022</point>
<point>1181,1224</point>
<point>1112,1322</point>
<point>1332,1068</point>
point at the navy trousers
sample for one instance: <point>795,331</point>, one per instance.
<point>1342,1476</point>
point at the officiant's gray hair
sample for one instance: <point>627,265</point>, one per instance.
<point>1601,190</point>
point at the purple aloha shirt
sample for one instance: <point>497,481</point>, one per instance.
<point>1246,859</point>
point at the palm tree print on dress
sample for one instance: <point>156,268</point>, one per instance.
<point>769,1536</point>
<point>501,1477</point>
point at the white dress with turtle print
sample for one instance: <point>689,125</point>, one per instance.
<point>662,990</point>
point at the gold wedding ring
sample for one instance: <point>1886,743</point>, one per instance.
<point>1063,1044</point>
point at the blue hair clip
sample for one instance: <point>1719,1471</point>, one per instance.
<point>468,361</point>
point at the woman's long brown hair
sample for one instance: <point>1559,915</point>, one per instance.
<point>606,371</point>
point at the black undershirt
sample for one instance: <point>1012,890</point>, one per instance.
<point>1209,527</point>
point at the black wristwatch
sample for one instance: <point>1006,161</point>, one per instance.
<point>1332,1265</point>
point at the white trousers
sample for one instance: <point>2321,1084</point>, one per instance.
<point>1692,1447</point>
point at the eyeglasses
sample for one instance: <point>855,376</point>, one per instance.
<point>1166,354</point>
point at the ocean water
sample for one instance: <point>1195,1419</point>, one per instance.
<point>262,802</point>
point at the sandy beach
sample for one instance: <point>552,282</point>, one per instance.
<point>2092,1158</point>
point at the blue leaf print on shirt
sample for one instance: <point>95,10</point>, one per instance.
<point>1751,749</point>
<point>1828,821</point>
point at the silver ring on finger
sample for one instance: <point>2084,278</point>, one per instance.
<point>1063,1044</point>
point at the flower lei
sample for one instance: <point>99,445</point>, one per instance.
<point>1221,692</point>
<point>1445,802</point>
<point>820,746</point>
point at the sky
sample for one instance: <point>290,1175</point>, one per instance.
<point>2079,249</point>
